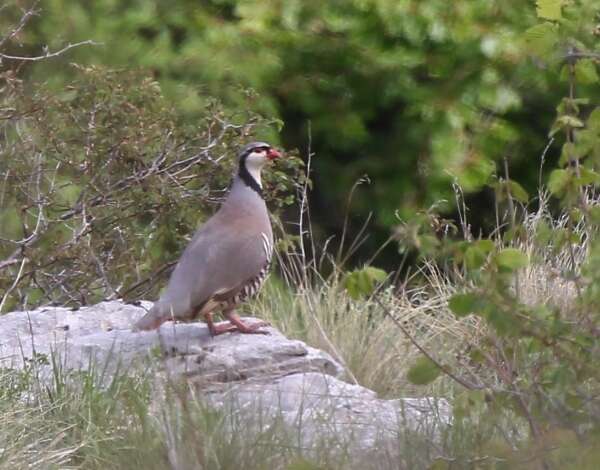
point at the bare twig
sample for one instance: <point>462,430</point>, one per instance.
<point>47,54</point>
<point>465,383</point>
<point>304,200</point>
<point>363,179</point>
<point>30,12</point>
<point>14,284</point>
<point>148,279</point>
<point>581,55</point>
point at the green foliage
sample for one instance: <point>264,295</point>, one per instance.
<point>539,355</point>
<point>511,259</point>
<point>559,181</point>
<point>361,282</point>
<point>585,72</point>
<point>422,232</point>
<point>510,189</point>
<point>549,9</point>
<point>464,304</point>
<point>541,39</point>
<point>423,372</point>
<point>416,94</point>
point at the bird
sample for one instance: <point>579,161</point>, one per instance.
<point>227,260</point>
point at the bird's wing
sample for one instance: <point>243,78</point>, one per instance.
<point>219,258</point>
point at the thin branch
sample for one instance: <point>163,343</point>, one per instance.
<point>14,284</point>
<point>147,279</point>
<point>357,183</point>
<point>48,54</point>
<point>582,55</point>
<point>465,383</point>
<point>12,259</point>
<point>22,22</point>
<point>304,200</point>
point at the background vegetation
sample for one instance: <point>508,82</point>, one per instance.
<point>417,95</point>
<point>479,128</point>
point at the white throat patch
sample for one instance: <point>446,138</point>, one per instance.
<point>254,165</point>
<point>255,173</point>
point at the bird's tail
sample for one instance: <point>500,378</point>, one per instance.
<point>150,321</point>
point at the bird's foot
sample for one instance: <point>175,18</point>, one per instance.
<point>242,327</point>
<point>254,328</point>
<point>222,328</point>
<point>235,324</point>
<point>238,326</point>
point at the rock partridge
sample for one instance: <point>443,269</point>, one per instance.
<point>227,260</point>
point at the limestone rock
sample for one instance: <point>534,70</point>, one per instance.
<point>270,374</point>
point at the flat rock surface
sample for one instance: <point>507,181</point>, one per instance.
<point>244,374</point>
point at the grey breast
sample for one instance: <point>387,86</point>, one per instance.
<point>228,259</point>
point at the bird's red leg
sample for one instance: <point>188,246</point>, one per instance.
<point>210,323</point>
<point>239,325</point>
<point>217,329</point>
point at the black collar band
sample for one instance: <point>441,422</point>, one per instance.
<point>247,178</point>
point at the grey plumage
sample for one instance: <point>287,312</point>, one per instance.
<point>229,256</point>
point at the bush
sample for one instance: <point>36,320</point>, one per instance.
<point>531,371</point>
<point>101,183</point>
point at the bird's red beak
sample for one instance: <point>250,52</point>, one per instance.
<point>272,154</point>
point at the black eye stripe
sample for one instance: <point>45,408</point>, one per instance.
<point>259,149</point>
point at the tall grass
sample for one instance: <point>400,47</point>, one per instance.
<point>132,421</point>
<point>79,420</point>
<point>359,334</point>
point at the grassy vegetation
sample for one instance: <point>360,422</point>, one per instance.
<point>80,421</point>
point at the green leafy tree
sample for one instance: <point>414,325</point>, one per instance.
<point>534,362</point>
<point>415,94</point>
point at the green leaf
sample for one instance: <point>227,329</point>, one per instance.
<point>361,282</point>
<point>68,194</point>
<point>569,152</point>
<point>594,214</point>
<point>541,39</point>
<point>593,121</point>
<point>549,9</point>
<point>475,257</point>
<point>376,274</point>
<point>352,286</point>
<point>464,304</point>
<point>486,246</point>
<point>543,233</point>
<point>511,258</point>
<point>585,71</point>
<point>500,319</point>
<point>477,173</point>
<point>570,121</point>
<point>423,372</point>
<point>558,182</point>
<point>518,192</point>
<point>587,176</point>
